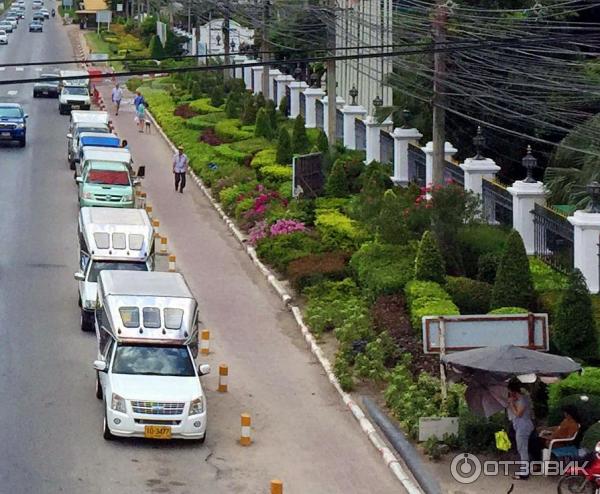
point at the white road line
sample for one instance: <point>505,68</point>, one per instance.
<point>38,69</point>
<point>2,69</point>
<point>12,92</point>
<point>19,69</point>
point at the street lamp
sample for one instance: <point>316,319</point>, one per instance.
<point>353,94</point>
<point>298,73</point>
<point>218,38</point>
<point>479,142</point>
<point>314,79</point>
<point>593,189</point>
<point>405,118</point>
<point>529,162</point>
<point>377,102</point>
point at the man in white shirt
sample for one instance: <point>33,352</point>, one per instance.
<point>117,95</point>
<point>180,166</point>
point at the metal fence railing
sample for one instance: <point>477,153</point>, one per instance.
<point>361,134</point>
<point>319,107</point>
<point>454,173</point>
<point>303,105</point>
<point>416,165</point>
<point>497,203</point>
<point>553,238</point>
<point>386,147</point>
<point>339,125</point>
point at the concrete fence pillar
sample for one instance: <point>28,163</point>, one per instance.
<point>247,70</point>
<point>296,87</point>
<point>273,74</point>
<point>339,104</point>
<point>525,196</point>
<point>373,134</point>
<point>238,72</point>
<point>401,139</point>
<point>282,82</point>
<point>449,151</point>
<point>476,170</point>
<point>310,95</point>
<point>257,80</point>
<point>586,226</point>
<point>352,112</point>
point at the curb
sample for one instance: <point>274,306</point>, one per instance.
<point>366,425</point>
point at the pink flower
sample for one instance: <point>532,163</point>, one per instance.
<point>284,227</point>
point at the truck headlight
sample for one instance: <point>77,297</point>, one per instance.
<point>117,403</point>
<point>127,197</point>
<point>21,126</point>
<point>87,195</point>
<point>197,406</point>
<point>90,304</point>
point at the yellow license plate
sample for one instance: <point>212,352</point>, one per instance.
<point>157,432</point>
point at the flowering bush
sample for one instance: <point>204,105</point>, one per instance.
<point>257,232</point>
<point>283,227</point>
<point>262,202</point>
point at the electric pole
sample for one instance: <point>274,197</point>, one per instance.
<point>331,76</point>
<point>265,48</point>
<point>226,26</point>
<point>439,97</point>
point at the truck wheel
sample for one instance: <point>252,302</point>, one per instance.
<point>202,439</point>
<point>98,387</point>
<point>87,321</point>
<point>106,434</point>
<point>61,109</point>
<point>22,142</point>
<point>71,165</point>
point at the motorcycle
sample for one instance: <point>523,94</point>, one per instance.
<point>53,13</point>
<point>586,480</point>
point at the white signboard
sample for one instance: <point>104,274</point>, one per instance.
<point>67,3</point>
<point>104,16</point>
<point>98,57</point>
<point>468,332</point>
<point>161,32</point>
<point>437,427</point>
<point>119,7</point>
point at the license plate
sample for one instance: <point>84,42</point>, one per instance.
<point>5,134</point>
<point>75,107</point>
<point>45,92</point>
<point>157,432</point>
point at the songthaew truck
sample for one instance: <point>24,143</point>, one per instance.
<point>110,239</point>
<point>147,333</point>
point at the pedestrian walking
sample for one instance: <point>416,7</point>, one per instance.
<point>180,166</point>
<point>520,415</point>
<point>140,116</point>
<point>138,100</point>
<point>117,96</point>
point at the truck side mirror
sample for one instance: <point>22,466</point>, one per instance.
<point>100,365</point>
<point>79,276</point>
<point>141,171</point>
<point>79,180</point>
<point>203,369</point>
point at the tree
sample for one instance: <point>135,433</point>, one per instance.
<point>217,96</point>
<point>322,143</point>
<point>272,113</point>
<point>283,105</point>
<point>232,105</point>
<point>260,100</point>
<point>390,224</point>
<point>574,327</point>
<point>375,180</point>
<point>249,110</point>
<point>429,264</point>
<point>284,147</point>
<point>337,181</point>
<point>156,48</point>
<point>299,137</point>
<point>263,125</point>
<point>513,286</point>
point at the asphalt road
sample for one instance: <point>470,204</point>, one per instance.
<point>50,421</point>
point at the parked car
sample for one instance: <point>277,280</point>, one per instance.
<point>39,17</point>
<point>6,26</point>
<point>13,123</point>
<point>3,38</point>
<point>37,4</point>
<point>36,27</point>
<point>13,21</point>
<point>106,184</point>
<point>48,89</point>
<point>45,13</point>
<point>73,98</point>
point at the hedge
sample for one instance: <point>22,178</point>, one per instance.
<point>546,278</point>
<point>280,250</point>
<point>417,289</point>
<point>427,298</point>
<point>251,146</point>
<point>509,310</point>
<point>203,106</point>
<point>264,158</point>
<point>229,129</point>
<point>277,173</point>
<point>338,231</point>
<point>226,151</point>
<point>586,383</point>
<point>334,203</point>
<point>470,296</point>
<point>316,268</point>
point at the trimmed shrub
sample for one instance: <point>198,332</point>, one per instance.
<point>336,203</point>
<point>574,326</point>
<point>249,111</point>
<point>283,105</point>
<point>586,383</point>
<point>477,240</point>
<point>476,434</point>
<point>337,182</point>
<point>429,290</point>
<point>431,308</point>
<point>284,147</point>
<point>316,268</point>
<point>390,226</point>
<point>508,310</point>
<point>185,111</point>
<point>300,142</point>
<point>229,130</point>
<point>513,286</point>
<point>545,278</point>
<point>203,106</point>
<point>429,264</point>
<point>280,250</point>
<point>588,408</point>
<point>375,179</point>
<point>217,96</point>
<point>231,154</point>
<point>156,48</point>
<point>263,158</point>
<point>250,146</point>
<point>272,114</point>
<point>276,173</point>
<point>338,231</point>
<point>487,267</point>
<point>382,269</point>
<point>470,296</point>
<point>322,143</point>
<point>232,106</point>
<point>263,125</point>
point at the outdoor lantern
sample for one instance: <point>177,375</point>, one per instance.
<point>479,142</point>
<point>298,73</point>
<point>353,94</point>
<point>232,45</point>
<point>405,118</point>
<point>593,190</point>
<point>314,79</point>
<point>218,38</point>
<point>529,162</point>
<point>377,102</point>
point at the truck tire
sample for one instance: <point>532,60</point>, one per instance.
<point>71,164</point>
<point>87,321</point>
<point>22,142</point>
<point>106,434</point>
<point>61,109</point>
<point>99,393</point>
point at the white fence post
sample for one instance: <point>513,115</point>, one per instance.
<point>401,139</point>
<point>310,116</point>
<point>449,151</point>
<point>296,87</point>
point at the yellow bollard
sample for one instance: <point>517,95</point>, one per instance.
<point>223,377</point>
<point>276,487</point>
<point>172,260</point>
<point>163,246</point>
<point>205,342</point>
<point>245,437</point>
<point>155,225</point>
<point>149,211</point>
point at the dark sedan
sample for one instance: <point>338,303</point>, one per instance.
<point>46,89</point>
<point>36,27</point>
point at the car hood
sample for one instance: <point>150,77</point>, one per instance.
<point>156,388</point>
<point>74,97</point>
<point>113,190</point>
<point>12,120</point>
<point>47,84</point>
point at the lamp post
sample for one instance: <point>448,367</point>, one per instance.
<point>529,163</point>
<point>405,118</point>
<point>593,189</point>
<point>479,142</point>
<point>314,80</point>
<point>218,38</point>
<point>353,94</point>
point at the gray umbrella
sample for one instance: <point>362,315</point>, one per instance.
<point>509,360</point>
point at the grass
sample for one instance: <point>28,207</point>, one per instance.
<point>98,45</point>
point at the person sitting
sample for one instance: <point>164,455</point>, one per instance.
<point>568,428</point>
<point>124,144</point>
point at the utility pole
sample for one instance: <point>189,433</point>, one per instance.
<point>265,48</point>
<point>331,77</point>
<point>226,26</point>
<point>439,97</point>
<point>189,23</point>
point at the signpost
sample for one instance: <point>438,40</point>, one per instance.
<point>103,16</point>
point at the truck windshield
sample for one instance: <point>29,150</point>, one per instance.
<point>108,177</point>
<point>10,112</point>
<point>153,361</point>
<point>78,91</point>
<point>98,266</point>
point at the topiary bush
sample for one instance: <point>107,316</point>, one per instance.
<point>586,383</point>
<point>272,114</point>
<point>574,326</point>
<point>508,310</point>
<point>280,250</point>
<point>316,268</point>
<point>487,267</point>
<point>283,105</point>
<point>275,173</point>
<point>591,437</point>
<point>588,409</point>
<point>513,286</point>
<point>263,158</point>
<point>338,231</point>
<point>390,226</point>
<point>427,298</point>
<point>263,125</point>
<point>429,264</point>
<point>429,290</point>
<point>470,296</point>
<point>284,147</point>
<point>300,142</point>
<point>249,111</point>
<point>478,240</point>
<point>337,182</point>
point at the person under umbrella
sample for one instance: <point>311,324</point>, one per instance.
<point>520,416</point>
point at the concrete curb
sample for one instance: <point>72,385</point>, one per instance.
<point>366,425</point>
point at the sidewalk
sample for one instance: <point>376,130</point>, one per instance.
<point>302,431</point>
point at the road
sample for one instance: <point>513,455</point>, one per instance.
<point>50,421</point>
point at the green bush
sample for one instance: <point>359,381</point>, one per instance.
<point>232,105</point>
<point>588,409</point>
<point>336,203</point>
<point>300,142</point>
<point>250,146</point>
<point>513,286</point>
<point>322,143</point>
<point>508,310</point>
<point>276,173</point>
<point>429,264</point>
<point>225,151</point>
<point>263,158</point>
<point>284,147</point>
<point>477,240</point>
<point>431,308</point>
<point>574,326</point>
<point>280,250</point>
<point>424,290</point>
<point>217,96</point>
<point>316,268</point>
<point>591,437</point>
<point>338,231</point>
<point>229,130</point>
<point>545,278</point>
<point>586,383</point>
<point>337,182</point>
<point>156,48</point>
<point>203,106</point>
<point>470,296</point>
<point>487,267</point>
<point>283,105</point>
<point>382,269</point>
<point>271,111</point>
<point>134,83</point>
<point>263,125</point>
<point>476,434</point>
<point>375,180</point>
<point>390,225</point>
<point>249,110</point>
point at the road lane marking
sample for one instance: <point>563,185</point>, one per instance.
<point>38,69</point>
<point>19,69</point>
<point>2,69</point>
<point>12,92</point>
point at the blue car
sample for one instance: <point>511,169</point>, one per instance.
<point>13,123</point>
